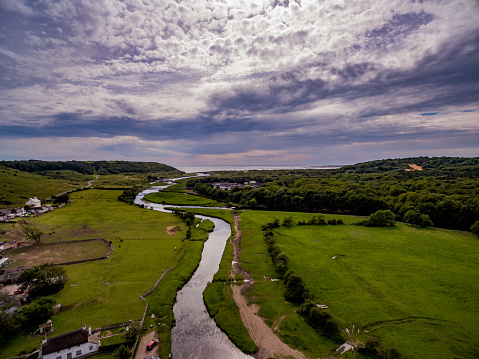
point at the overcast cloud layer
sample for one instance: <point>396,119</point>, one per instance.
<point>238,82</point>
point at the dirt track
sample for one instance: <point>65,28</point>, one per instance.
<point>269,345</point>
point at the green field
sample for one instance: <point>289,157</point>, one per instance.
<point>415,289</point>
<point>179,198</point>
<point>107,291</point>
<point>16,187</point>
<point>121,180</point>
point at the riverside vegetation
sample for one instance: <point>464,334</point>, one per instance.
<point>386,289</point>
<point>391,292</point>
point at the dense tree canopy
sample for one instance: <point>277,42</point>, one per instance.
<point>445,192</point>
<point>87,167</point>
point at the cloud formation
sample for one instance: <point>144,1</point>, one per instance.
<point>275,81</point>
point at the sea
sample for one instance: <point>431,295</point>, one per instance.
<point>203,169</point>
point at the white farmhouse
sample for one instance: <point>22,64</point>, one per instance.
<point>71,345</point>
<point>34,202</point>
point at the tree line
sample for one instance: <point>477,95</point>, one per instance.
<point>89,167</point>
<point>445,192</point>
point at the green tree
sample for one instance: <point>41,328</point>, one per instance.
<point>418,219</point>
<point>123,352</point>
<point>475,228</point>
<point>382,218</point>
<point>47,273</point>
<point>189,218</point>
<point>426,221</point>
<point>412,217</point>
<point>29,230</point>
<point>46,278</point>
<point>133,331</point>
<point>37,312</point>
<point>295,290</point>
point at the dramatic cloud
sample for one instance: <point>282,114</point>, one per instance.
<point>279,82</point>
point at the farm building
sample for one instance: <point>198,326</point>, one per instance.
<point>71,345</point>
<point>34,202</point>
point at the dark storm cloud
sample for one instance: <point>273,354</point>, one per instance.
<point>439,80</point>
<point>209,77</point>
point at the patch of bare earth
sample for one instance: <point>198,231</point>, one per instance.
<point>414,167</point>
<point>269,345</point>
<point>171,230</point>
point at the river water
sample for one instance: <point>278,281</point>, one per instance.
<point>196,335</point>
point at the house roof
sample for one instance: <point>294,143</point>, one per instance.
<point>65,341</point>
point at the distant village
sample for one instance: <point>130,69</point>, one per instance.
<point>226,186</point>
<point>32,207</point>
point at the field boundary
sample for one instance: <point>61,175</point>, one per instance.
<point>105,256</point>
<point>13,274</point>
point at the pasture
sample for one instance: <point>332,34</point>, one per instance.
<point>179,199</point>
<point>107,291</point>
<point>57,252</point>
<point>121,180</point>
<point>16,187</point>
<point>415,289</point>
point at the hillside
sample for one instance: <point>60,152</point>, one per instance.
<point>16,186</point>
<point>20,180</point>
<point>89,167</point>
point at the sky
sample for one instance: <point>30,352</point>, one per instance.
<point>211,82</point>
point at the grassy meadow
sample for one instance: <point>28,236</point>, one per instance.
<point>179,198</point>
<point>107,291</point>
<point>16,187</point>
<point>415,289</point>
<point>121,180</point>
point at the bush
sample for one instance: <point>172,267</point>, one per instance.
<point>381,218</point>
<point>133,331</point>
<point>320,320</point>
<point>374,346</point>
<point>36,312</point>
<point>475,228</point>
<point>123,352</point>
<point>295,291</point>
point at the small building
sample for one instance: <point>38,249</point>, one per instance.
<point>34,202</point>
<point>71,345</point>
<point>4,262</point>
<point>19,211</point>
<point>5,215</point>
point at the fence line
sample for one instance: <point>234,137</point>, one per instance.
<point>142,297</point>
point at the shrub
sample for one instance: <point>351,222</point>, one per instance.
<point>320,320</point>
<point>295,291</point>
<point>475,228</point>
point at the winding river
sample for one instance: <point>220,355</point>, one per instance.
<point>196,334</point>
